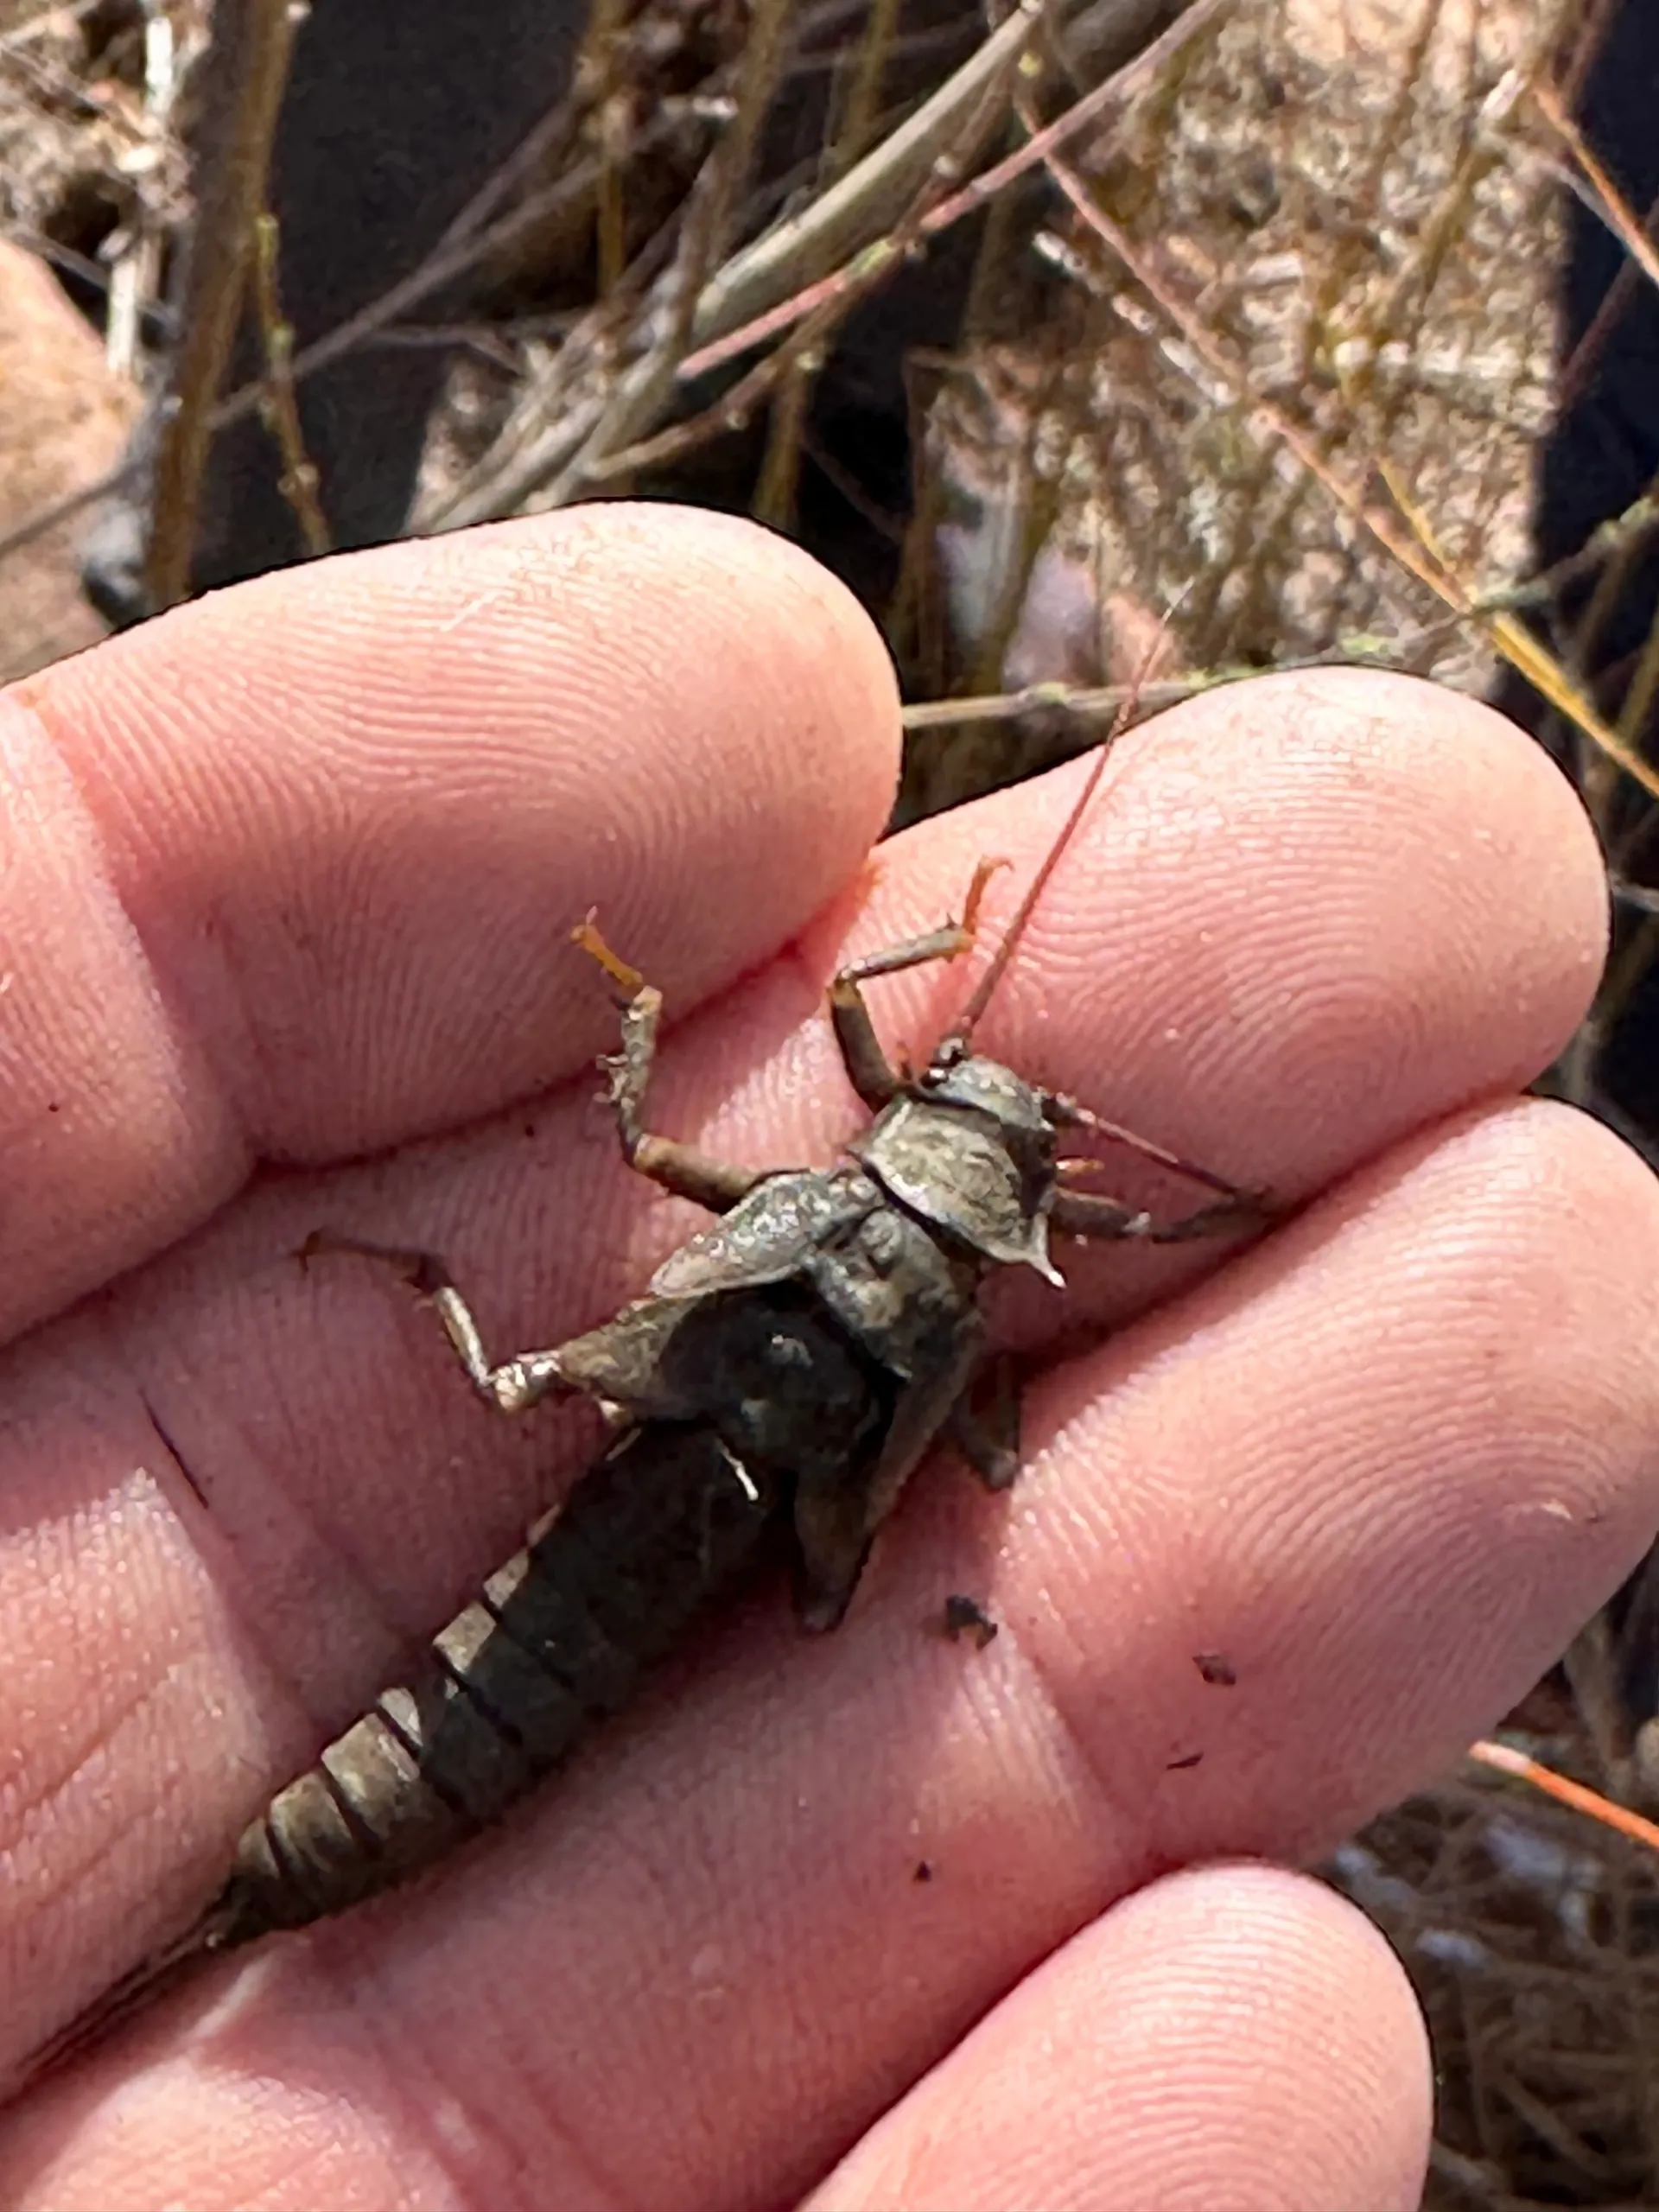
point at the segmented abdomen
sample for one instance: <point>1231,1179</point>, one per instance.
<point>558,1638</point>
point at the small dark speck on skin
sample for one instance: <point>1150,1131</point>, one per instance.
<point>965,1617</point>
<point>529,1132</point>
<point>1218,1671</point>
<point>1184,1765</point>
<point>924,1872</point>
<point>52,1106</point>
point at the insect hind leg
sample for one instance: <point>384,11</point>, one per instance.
<point>868,1069</point>
<point>712,1183</point>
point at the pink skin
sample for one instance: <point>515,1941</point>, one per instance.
<point>286,877</point>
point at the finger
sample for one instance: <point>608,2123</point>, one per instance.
<point>290,872</point>
<point>281,1481</point>
<point>1234,2037</point>
<point>782,1896</point>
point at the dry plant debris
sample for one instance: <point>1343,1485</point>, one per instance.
<point>1358,232</point>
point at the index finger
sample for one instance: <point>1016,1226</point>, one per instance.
<point>288,873</point>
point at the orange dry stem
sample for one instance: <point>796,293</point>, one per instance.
<point>1567,1792</point>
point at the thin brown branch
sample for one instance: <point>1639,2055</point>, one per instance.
<point>298,482</point>
<point>874,196</point>
<point>801,351</point>
<point>1577,369</point>
<point>1090,702</point>
<point>1615,211</point>
<point>1518,646</point>
<point>258,36</point>
<point>1118,90</point>
<point>858,128</point>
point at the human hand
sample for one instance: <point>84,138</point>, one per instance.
<point>287,880</point>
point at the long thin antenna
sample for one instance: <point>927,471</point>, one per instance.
<point>957,1040</point>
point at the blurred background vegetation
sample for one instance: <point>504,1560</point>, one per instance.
<point>1316,330</point>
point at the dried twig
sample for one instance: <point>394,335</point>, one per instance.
<point>875,195</point>
<point>1517,644</point>
<point>1090,703</point>
<point>1620,218</point>
<point>136,276</point>
<point>1125,85</point>
<point>298,482</point>
<point>1502,1759</point>
<point>797,358</point>
<point>258,36</point>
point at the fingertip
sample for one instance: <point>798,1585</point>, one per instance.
<point>1458,775</point>
<point>333,824</point>
<point>1233,2035</point>
<point>657,678</point>
<point>1306,914</point>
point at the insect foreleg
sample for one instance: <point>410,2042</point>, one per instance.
<point>867,1067</point>
<point>689,1173</point>
<point>513,1385</point>
<point>1065,1113</point>
<point>1086,1213</point>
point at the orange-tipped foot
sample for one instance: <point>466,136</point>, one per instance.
<point>628,981</point>
<point>968,926</point>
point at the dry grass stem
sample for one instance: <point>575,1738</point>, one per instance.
<point>259,36</point>
<point>280,409</point>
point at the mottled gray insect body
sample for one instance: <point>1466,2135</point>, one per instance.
<point>823,1331</point>
<point>771,1232</point>
<point>986,1181</point>
<point>784,1375</point>
<point>764,1369</point>
<point>557,1639</point>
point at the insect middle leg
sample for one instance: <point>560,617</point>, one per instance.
<point>511,1385</point>
<point>868,1069</point>
<point>712,1183</point>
